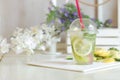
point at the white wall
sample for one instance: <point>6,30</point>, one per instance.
<point>87,9</point>
<point>0,18</point>
<point>109,11</point>
<point>21,13</point>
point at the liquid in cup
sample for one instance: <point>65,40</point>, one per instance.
<point>83,42</point>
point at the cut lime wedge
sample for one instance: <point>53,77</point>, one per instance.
<point>82,47</point>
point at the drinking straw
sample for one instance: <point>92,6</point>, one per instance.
<point>79,14</point>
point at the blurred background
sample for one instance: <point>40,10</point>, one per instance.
<point>27,13</point>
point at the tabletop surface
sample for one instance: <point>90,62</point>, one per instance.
<point>14,67</point>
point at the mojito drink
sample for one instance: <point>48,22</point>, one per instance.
<point>83,45</point>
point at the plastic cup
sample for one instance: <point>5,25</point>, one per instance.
<point>83,41</point>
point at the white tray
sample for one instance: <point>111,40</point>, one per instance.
<point>63,64</point>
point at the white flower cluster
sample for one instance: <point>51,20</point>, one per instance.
<point>30,39</point>
<point>4,46</point>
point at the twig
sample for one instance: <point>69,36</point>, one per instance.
<point>2,57</point>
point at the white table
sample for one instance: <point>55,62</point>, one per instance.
<point>13,67</point>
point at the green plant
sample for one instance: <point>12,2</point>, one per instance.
<point>66,14</point>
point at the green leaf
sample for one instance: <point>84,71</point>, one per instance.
<point>51,16</point>
<point>86,16</point>
<point>69,58</point>
<point>113,49</point>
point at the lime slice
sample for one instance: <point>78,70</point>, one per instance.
<point>73,38</point>
<point>82,47</point>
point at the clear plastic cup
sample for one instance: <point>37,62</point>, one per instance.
<point>83,41</point>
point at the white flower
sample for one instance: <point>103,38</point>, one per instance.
<point>41,47</point>
<point>27,40</point>
<point>30,42</point>
<point>4,46</point>
<point>18,49</point>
